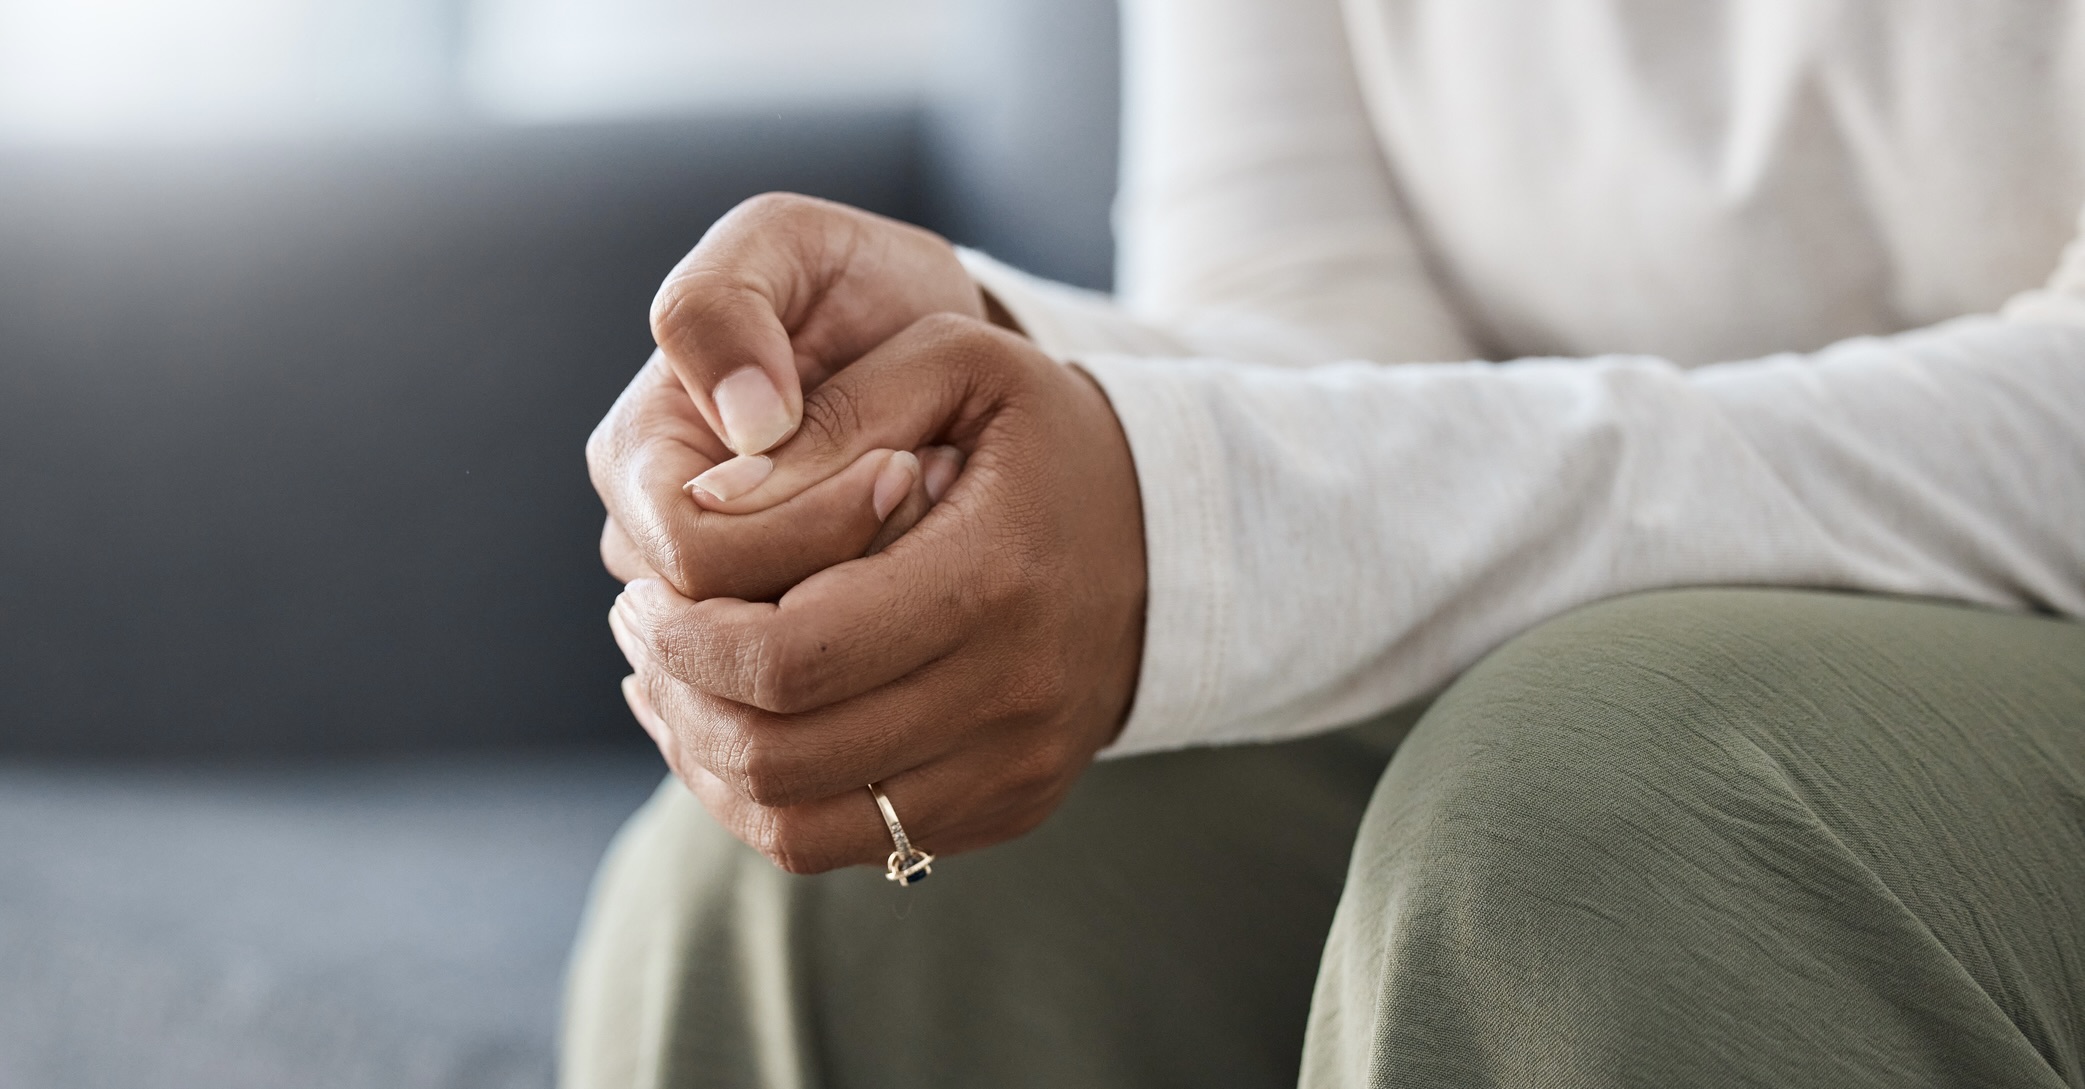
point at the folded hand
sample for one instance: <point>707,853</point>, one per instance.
<point>972,667</point>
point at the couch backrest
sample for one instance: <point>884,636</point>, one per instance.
<point>290,436</point>
<point>290,439</point>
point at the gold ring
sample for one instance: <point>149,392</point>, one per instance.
<point>908,865</point>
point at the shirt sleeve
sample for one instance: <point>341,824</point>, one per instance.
<point>1329,539</point>
<point>1330,542</point>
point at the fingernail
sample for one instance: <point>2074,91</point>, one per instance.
<point>894,482</point>
<point>942,465</point>
<point>731,479</point>
<point>755,418</point>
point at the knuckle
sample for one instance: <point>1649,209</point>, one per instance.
<point>1004,594</point>
<point>669,649</point>
<point>1041,692</point>
<point>965,344</point>
<point>627,481</point>
<point>611,551</point>
<point>612,434</point>
<point>832,414</point>
<point>726,751</point>
<point>681,572</point>
<point>1035,693</point>
<point>683,553</point>
<point>685,299</point>
<point>775,204</point>
<point>949,328</point>
<point>767,773</point>
<point>609,453</point>
<point>674,750</point>
<point>599,444</point>
<point>654,688</point>
<point>740,748</point>
<point>800,865</point>
<point>786,843</point>
<point>673,295</point>
<point>761,829</point>
<point>781,683</point>
<point>1036,771</point>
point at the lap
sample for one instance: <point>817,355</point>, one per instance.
<point>1816,817</point>
<point>1163,928</point>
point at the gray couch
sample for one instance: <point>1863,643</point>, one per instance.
<point>309,736</point>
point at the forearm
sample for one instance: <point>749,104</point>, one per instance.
<point>1327,543</point>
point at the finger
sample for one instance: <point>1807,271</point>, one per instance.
<point>778,759</point>
<point>656,728</point>
<point>947,807</point>
<point>841,632</point>
<point>759,556</point>
<point>783,290</point>
<point>939,467</point>
<point>932,383</point>
<point>635,654</point>
<point>637,694</point>
<point>861,624</point>
<point>718,485</point>
<point>718,321</point>
<point>910,510</point>
<point>732,354</point>
<point>643,456</point>
<point>644,451</point>
<point>620,555</point>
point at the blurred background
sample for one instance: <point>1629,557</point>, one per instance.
<point>309,732</point>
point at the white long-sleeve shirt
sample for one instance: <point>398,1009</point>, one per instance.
<point>1694,236</point>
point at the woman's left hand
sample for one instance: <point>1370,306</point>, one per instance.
<point>972,668</point>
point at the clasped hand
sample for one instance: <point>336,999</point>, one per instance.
<point>913,553</point>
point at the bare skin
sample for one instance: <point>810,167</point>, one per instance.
<point>975,661</point>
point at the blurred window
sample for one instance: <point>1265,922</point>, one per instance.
<point>562,58</point>
<point>170,69</point>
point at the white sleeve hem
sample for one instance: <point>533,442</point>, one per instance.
<point>1065,321</point>
<point>1189,596</point>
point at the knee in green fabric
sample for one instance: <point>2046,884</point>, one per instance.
<point>1691,713</point>
<point>1671,836</point>
<point>1596,729</point>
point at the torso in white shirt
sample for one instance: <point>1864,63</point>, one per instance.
<point>1706,181</point>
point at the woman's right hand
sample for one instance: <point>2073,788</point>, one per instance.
<point>779,294</point>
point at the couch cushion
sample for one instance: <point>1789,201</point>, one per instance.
<point>389,924</point>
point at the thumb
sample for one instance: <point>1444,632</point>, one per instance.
<point>925,386</point>
<point>726,344</point>
<point>784,291</point>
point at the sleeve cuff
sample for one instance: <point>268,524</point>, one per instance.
<point>1179,461</point>
<point>1190,586</point>
<point>1066,321</point>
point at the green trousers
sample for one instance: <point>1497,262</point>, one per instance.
<point>1712,837</point>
